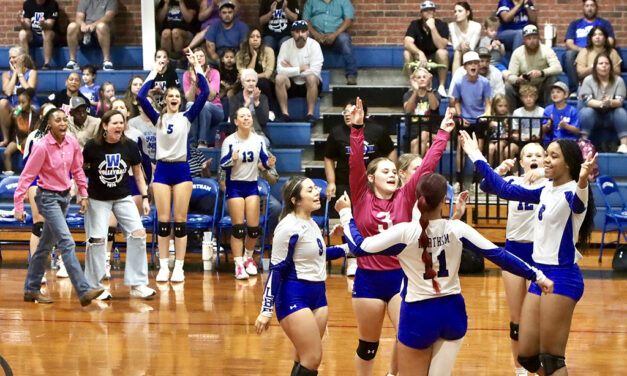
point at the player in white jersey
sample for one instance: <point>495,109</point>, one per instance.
<point>519,236</point>
<point>565,212</point>
<point>172,183</point>
<point>433,320</point>
<point>296,285</point>
<point>241,153</point>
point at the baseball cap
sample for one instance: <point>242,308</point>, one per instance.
<point>529,30</point>
<point>299,25</point>
<point>76,102</point>
<point>483,51</point>
<point>226,3</point>
<point>427,5</point>
<point>561,85</point>
<point>470,56</point>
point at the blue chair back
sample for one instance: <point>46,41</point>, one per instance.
<point>608,188</point>
<point>323,222</point>
<point>8,186</point>
<point>450,195</point>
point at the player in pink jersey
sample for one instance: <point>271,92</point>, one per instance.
<point>378,279</point>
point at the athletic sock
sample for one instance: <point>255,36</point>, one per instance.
<point>249,254</point>
<point>178,264</point>
<point>239,261</point>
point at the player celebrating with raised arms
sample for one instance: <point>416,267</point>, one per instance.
<point>433,320</point>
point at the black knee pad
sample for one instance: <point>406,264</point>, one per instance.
<point>295,368</point>
<point>513,331</point>
<point>304,371</point>
<point>551,363</point>
<point>163,229</point>
<point>180,229</point>
<point>367,350</point>
<point>239,231</point>
<point>254,232</point>
<point>37,228</point>
<point>531,363</point>
<point>111,234</point>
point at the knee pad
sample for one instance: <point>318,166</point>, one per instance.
<point>254,232</point>
<point>551,363</point>
<point>163,229</point>
<point>513,331</point>
<point>37,229</point>
<point>367,350</point>
<point>295,368</point>
<point>111,233</point>
<point>304,371</point>
<point>239,231</point>
<point>180,229</point>
<point>531,363</point>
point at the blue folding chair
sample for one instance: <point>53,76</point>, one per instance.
<point>7,190</point>
<point>613,216</point>
<point>204,188</point>
<point>225,220</point>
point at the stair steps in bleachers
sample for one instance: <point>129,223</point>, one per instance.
<point>122,57</point>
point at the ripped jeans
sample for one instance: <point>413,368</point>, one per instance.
<point>96,227</point>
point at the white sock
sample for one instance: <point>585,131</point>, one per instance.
<point>178,264</point>
<point>249,254</point>
<point>163,262</point>
<point>521,371</point>
<point>239,261</point>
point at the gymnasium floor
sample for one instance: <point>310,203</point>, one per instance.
<point>206,327</point>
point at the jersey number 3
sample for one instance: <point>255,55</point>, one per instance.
<point>442,271</point>
<point>385,218</point>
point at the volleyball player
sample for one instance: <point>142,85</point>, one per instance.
<point>172,183</point>
<point>241,153</point>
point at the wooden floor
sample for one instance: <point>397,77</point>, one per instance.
<point>205,327</point>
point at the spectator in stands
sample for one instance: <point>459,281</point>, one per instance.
<point>177,24</point>
<point>298,70</point>
<point>328,24</point>
<point>486,69</point>
<point>421,104</point>
<point>532,64</point>
<point>603,94</point>
<point>251,97</point>
<point>465,32</point>
<point>21,74</point>
<point>130,95</point>
<point>275,17</point>
<point>577,39</point>
<point>143,124</point>
<point>93,26</point>
<point>563,121</point>
<point>81,125</point>
<point>500,145</point>
<point>209,15</point>
<point>61,99</point>
<point>494,46</point>
<point>106,95</point>
<point>165,78</point>
<point>598,42</point>
<point>229,76</point>
<point>426,40</point>
<point>90,89</point>
<point>255,55</point>
<point>203,130</point>
<point>229,33</point>
<point>515,15</point>
<point>38,24</point>
<point>22,120</point>
<point>529,129</point>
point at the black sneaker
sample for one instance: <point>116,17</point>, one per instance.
<point>310,119</point>
<point>46,67</point>
<point>283,118</point>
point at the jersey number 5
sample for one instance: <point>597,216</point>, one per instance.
<point>442,272</point>
<point>170,130</point>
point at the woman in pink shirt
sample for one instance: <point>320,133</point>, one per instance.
<point>53,159</point>
<point>378,279</point>
<point>203,130</point>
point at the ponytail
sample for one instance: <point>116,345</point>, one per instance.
<point>423,242</point>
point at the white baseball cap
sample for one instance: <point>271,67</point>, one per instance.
<point>470,56</point>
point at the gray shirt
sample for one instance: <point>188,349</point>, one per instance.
<point>591,90</point>
<point>95,9</point>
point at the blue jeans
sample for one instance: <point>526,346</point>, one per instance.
<point>343,45</point>
<point>591,118</point>
<point>512,39</point>
<point>206,124</point>
<point>571,70</point>
<point>54,206</point>
<point>274,42</point>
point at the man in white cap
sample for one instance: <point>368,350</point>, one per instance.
<point>426,39</point>
<point>492,73</point>
<point>80,124</point>
<point>532,64</point>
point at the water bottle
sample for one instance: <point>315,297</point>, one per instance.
<point>117,263</point>
<point>86,38</point>
<point>18,110</point>
<point>207,250</point>
<point>157,264</point>
<point>54,259</point>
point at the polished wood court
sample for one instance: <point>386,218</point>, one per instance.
<point>205,326</point>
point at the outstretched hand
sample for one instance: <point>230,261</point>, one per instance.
<point>460,205</point>
<point>506,166</point>
<point>469,144</point>
<point>342,202</point>
<point>337,230</point>
<point>357,113</point>
<point>448,124</point>
<point>586,169</point>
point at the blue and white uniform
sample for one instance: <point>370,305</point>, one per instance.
<point>31,140</point>
<point>428,314</point>
<point>139,138</point>
<point>557,220</point>
<point>241,174</point>
<point>297,268</point>
<point>172,129</point>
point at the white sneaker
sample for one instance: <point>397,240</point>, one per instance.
<point>71,65</point>
<point>351,266</point>
<point>62,272</point>
<point>142,291</point>
<point>106,295</point>
<point>622,149</point>
<point>43,280</point>
<point>163,275</point>
<point>240,272</point>
<point>251,266</point>
<point>177,275</point>
<point>442,91</point>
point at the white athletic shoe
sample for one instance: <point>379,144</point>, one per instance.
<point>106,295</point>
<point>622,149</point>
<point>351,266</point>
<point>442,91</point>
<point>142,291</point>
<point>177,275</point>
<point>43,280</point>
<point>163,275</point>
<point>62,272</point>
<point>251,266</point>
<point>240,272</point>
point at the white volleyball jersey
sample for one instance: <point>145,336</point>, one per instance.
<point>172,137</point>
<point>520,215</point>
<point>446,241</point>
<point>250,152</point>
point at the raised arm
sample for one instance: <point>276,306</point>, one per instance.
<point>142,95</point>
<point>357,178</point>
<point>201,80</point>
<point>391,242</point>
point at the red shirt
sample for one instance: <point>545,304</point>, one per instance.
<point>373,215</point>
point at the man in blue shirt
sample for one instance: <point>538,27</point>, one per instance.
<point>229,33</point>
<point>577,39</point>
<point>328,21</point>
<point>514,15</point>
